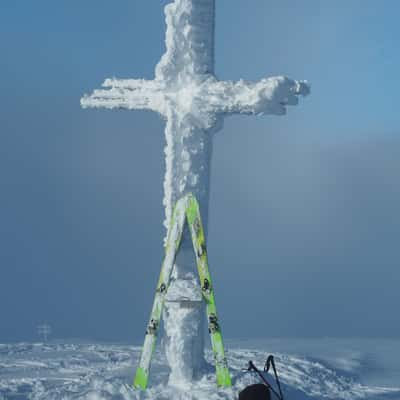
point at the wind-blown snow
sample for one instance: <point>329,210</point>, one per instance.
<point>186,93</point>
<point>104,372</point>
<point>189,40</point>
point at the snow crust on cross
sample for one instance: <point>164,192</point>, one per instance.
<point>187,94</point>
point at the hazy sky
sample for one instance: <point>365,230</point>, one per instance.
<point>305,209</point>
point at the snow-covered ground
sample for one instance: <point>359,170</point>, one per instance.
<point>310,369</point>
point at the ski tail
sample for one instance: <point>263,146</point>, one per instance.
<point>141,379</point>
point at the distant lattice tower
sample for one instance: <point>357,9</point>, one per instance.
<point>44,331</point>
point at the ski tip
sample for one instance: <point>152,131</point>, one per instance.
<point>186,198</point>
<point>141,379</point>
<point>190,199</point>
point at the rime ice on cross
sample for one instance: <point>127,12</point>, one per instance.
<point>194,103</point>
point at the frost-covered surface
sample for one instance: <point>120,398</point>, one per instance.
<point>104,372</point>
<point>186,93</point>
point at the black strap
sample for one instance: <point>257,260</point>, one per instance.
<point>271,361</point>
<point>252,367</point>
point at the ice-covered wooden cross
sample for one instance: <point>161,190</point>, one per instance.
<point>194,103</point>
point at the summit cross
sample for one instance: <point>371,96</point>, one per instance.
<point>193,102</point>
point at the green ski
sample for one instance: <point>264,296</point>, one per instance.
<point>187,209</point>
<point>171,250</point>
<point>199,246</point>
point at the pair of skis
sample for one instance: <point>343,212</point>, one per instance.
<point>186,210</point>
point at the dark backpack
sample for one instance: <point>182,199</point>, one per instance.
<point>259,391</point>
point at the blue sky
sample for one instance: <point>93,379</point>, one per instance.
<point>304,213</point>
